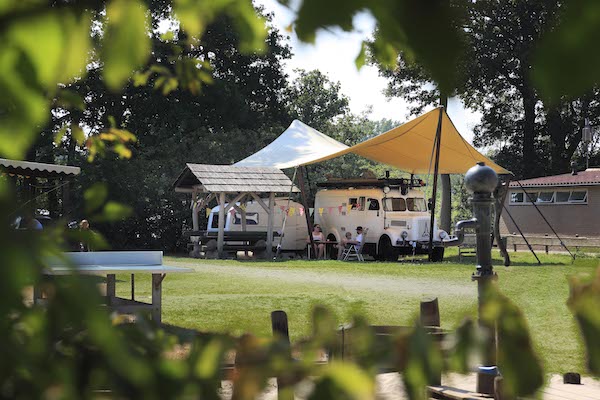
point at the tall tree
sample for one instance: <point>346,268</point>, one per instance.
<point>532,136</point>
<point>240,112</point>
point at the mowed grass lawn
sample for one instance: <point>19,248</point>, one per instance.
<point>238,296</point>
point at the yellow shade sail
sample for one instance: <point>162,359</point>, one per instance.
<point>410,147</point>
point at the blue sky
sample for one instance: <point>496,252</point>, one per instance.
<point>334,52</point>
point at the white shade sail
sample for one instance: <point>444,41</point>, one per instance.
<point>297,145</point>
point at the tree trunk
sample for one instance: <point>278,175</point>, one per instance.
<point>446,206</point>
<point>529,164</point>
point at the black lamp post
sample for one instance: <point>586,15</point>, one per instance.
<point>481,181</point>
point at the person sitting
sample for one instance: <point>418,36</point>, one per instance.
<point>357,241</point>
<point>317,236</point>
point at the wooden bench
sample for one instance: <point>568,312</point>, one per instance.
<point>110,263</point>
<point>468,248</point>
<point>553,242</point>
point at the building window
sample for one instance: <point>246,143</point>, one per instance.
<point>546,197</point>
<point>558,197</point>
<point>562,197</point>
<point>579,196</point>
<point>516,197</point>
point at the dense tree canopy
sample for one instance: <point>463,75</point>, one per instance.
<point>532,135</point>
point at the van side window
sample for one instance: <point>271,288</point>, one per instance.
<point>215,220</point>
<point>373,205</point>
<point>353,201</point>
<point>361,203</point>
<point>251,219</point>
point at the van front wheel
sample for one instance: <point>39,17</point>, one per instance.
<point>386,251</point>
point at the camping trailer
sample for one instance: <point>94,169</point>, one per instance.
<point>394,211</point>
<point>294,234</point>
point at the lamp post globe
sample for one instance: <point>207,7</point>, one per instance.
<point>481,179</point>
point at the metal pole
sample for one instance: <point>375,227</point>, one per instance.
<point>221,233</point>
<point>482,181</point>
<point>309,224</point>
<point>437,143</point>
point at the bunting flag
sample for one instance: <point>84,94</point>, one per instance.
<point>330,210</point>
<point>243,207</point>
<point>282,208</point>
<point>320,210</point>
<point>232,211</point>
<point>292,211</point>
<point>340,208</point>
<point>301,211</point>
<point>208,211</point>
<point>349,207</point>
<point>311,211</point>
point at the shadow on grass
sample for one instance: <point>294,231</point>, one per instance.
<point>500,262</point>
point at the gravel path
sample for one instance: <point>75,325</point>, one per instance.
<point>371,282</point>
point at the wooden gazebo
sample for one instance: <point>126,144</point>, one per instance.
<point>229,185</point>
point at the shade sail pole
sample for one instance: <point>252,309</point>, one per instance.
<point>309,225</point>
<point>437,144</point>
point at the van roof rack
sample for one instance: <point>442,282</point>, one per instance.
<point>340,183</point>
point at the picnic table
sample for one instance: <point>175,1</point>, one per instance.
<point>110,263</point>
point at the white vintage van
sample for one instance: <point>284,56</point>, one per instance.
<point>394,210</point>
<point>295,233</point>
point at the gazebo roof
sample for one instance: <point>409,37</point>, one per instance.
<point>36,169</point>
<point>230,179</point>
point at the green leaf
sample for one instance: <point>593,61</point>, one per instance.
<point>78,134</point>
<point>196,15</point>
<point>69,99</point>
<point>567,61</point>
<point>584,302</point>
<point>344,381</point>
<point>429,30</point>
<point>420,362</point>
<point>58,136</point>
<point>126,43</point>
<point>517,360</point>
<point>95,196</point>
<point>361,59</point>
<point>114,211</point>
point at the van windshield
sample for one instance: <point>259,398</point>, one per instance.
<point>416,204</point>
<point>215,220</point>
<point>394,204</point>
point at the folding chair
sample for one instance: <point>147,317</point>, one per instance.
<point>354,251</point>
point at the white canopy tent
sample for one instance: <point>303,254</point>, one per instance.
<point>299,144</point>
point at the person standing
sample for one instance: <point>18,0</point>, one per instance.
<point>85,235</point>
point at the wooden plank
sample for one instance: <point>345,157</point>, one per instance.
<point>562,391</point>
<point>450,393</point>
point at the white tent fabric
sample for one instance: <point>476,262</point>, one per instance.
<point>299,144</point>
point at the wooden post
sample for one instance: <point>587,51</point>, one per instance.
<point>430,313</point>
<point>279,324</point>
<point>195,224</point>
<point>157,297</point>
<point>110,289</point>
<point>221,233</point>
<point>438,144</point>
<point>271,218</point>
<point>309,224</point>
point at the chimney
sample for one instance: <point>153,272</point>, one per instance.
<point>573,168</point>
